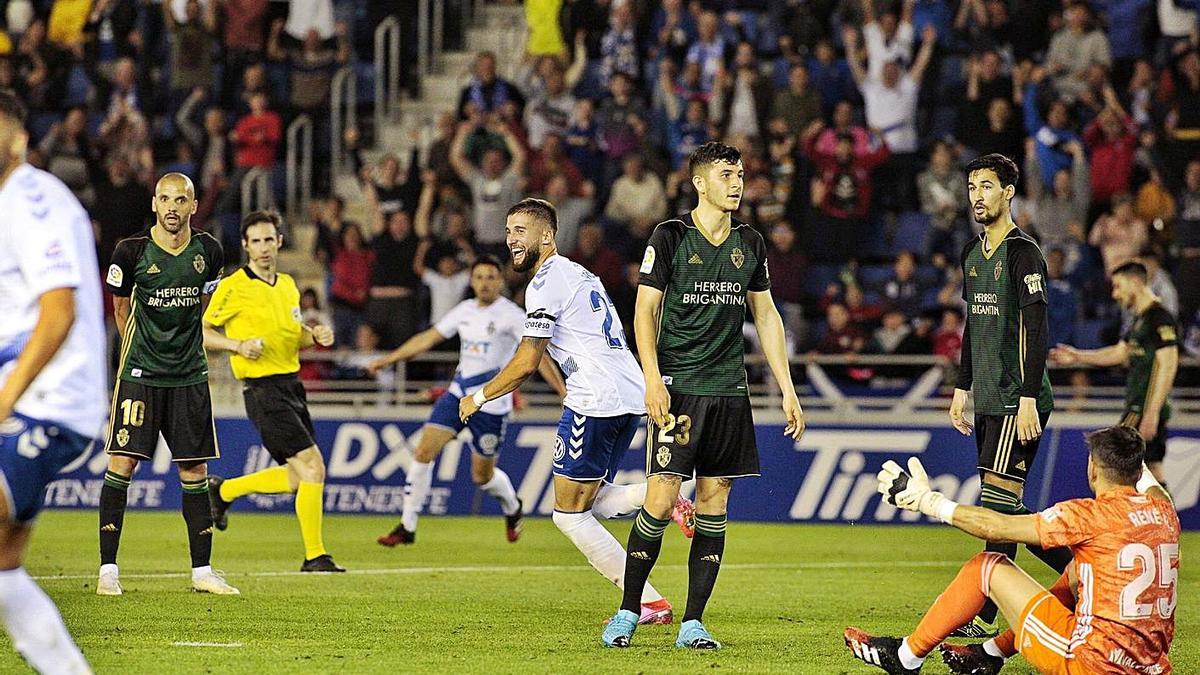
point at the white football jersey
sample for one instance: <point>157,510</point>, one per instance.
<point>567,304</point>
<point>489,337</point>
<point>46,243</point>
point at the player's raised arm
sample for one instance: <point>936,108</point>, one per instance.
<point>56,315</point>
<point>415,345</point>
<point>774,343</point>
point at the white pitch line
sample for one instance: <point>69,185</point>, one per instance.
<point>500,569</point>
<point>219,645</point>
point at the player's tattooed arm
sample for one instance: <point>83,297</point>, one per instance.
<point>121,306</point>
<point>516,371</point>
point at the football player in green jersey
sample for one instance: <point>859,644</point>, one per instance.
<point>699,273</point>
<point>1150,349</point>
<point>1004,350</point>
<point>161,281</point>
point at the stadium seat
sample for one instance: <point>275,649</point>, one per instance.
<point>818,279</point>
<point>874,276</point>
<point>78,87</point>
<point>912,228</point>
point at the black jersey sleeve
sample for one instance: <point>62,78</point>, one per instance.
<point>657,260</point>
<point>214,257</point>
<point>761,281</point>
<point>123,266</point>
<point>1164,331</point>
<point>1028,270</point>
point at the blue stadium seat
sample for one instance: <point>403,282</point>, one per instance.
<point>912,228</point>
<point>874,276</point>
<point>818,279</point>
<point>78,86</point>
<point>928,276</point>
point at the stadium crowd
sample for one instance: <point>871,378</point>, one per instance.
<point>853,117</point>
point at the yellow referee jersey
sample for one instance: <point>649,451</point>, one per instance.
<point>249,307</point>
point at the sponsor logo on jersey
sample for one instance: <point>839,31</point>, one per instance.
<point>663,457</point>
<point>1033,282</point>
<point>153,269</point>
<point>738,258</point>
<point>1167,333</point>
<point>999,268</point>
<point>198,263</point>
<point>648,261</point>
<point>122,437</point>
<point>115,275</point>
<point>560,449</point>
<point>695,259</point>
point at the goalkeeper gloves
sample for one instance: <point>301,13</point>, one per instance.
<point>910,491</point>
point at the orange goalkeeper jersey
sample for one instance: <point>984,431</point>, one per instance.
<point>1126,549</point>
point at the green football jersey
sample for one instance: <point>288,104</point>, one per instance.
<point>1152,330</point>
<point>996,286</point>
<point>700,344</point>
<point>164,340</point>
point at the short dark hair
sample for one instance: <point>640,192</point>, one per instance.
<point>1004,168</point>
<point>262,216</point>
<point>11,108</point>
<point>712,152</point>
<point>1134,269</point>
<point>485,260</point>
<point>1119,451</point>
<point>539,209</point>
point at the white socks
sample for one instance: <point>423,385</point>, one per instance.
<point>416,490</point>
<point>499,487</point>
<point>907,658</point>
<point>600,548</point>
<point>37,629</point>
<point>618,501</point>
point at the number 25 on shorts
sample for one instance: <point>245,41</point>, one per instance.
<point>682,426</point>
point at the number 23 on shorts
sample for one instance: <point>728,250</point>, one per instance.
<point>677,430</point>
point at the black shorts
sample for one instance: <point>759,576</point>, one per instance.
<point>709,437</point>
<point>999,450</point>
<point>183,415</point>
<point>1156,449</point>
<point>278,408</point>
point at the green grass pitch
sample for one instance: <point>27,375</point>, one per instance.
<point>465,601</point>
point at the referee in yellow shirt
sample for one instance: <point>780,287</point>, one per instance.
<point>259,310</point>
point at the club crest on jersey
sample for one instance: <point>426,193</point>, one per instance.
<point>491,328</point>
<point>122,437</point>
<point>972,273</point>
<point>198,263</point>
<point>663,456</point>
<point>738,258</point>
<point>296,315</point>
<point>1033,282</point>
<point>999,268</point>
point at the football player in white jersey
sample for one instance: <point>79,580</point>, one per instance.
<point>489,327</point>
<point>569,315</point>
<point>52,381</point>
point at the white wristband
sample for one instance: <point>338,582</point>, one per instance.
<point>945,511</point>
<point>479,398</point>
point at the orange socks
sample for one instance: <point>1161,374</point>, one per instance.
<point>957,605</point>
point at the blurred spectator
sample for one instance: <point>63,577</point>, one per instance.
<point>616,135</point>
<point>986,82</point>
<point>761,205</point>
<point>830,75</point>
<point>1119,235</point>
<point>582,139</point>
<point>392,304</point>
<point>638,200</point>
<point>1054,213</point>
<point>798,105</point>
<point>311,66</point>
<point>1050,136</point>
<point>111,32</point>
<point>68,155</point>
<point>122,88</point>
<point>494,186</point>
<point>209,142</point>
<point>65,25</point>
<point>122,207</point>
<point>618,47</point>
<point>487,92</point>
<point>254,82</point>
<point>382,184</point>
<point>891,107</point>
<point>550,111</point>
<point>192,45</point>
<point>552,161</point>
<point>903,291</point>
<point>1154,204</point>
<point>1182,99</point>
<point>1187,237</point>
<point>597,258</point>
<point>545,36</point>
<point>125,132</point>
<point>571,210</point>
<point>351,282</point>
<point>1062,299</point>
<point>447,279</point>
<point>841,191</point>
<point>42,68</point>
<point>708,51</point>
<point>1001,132</point>
<point>311,312</point>
<point>1075,48</point>
<point>742,99</point>
<point>788,267</point>
<point>1111,140</point>
<point>841,337</point>
<point>256,136</point>
<point>672,30</point>
<point>889,39</point>
<point>326,215</point>
<point>941,188</point>
<point>843,123</point>
<point>1159,280</point>
<point>244,24</point>
<point>864,311</point>
<point>310,15</point>
<point>947,339</point>
<point>687,132</point>
<point>439,150</point>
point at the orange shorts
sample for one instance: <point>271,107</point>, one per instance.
<point>1043,635</point>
